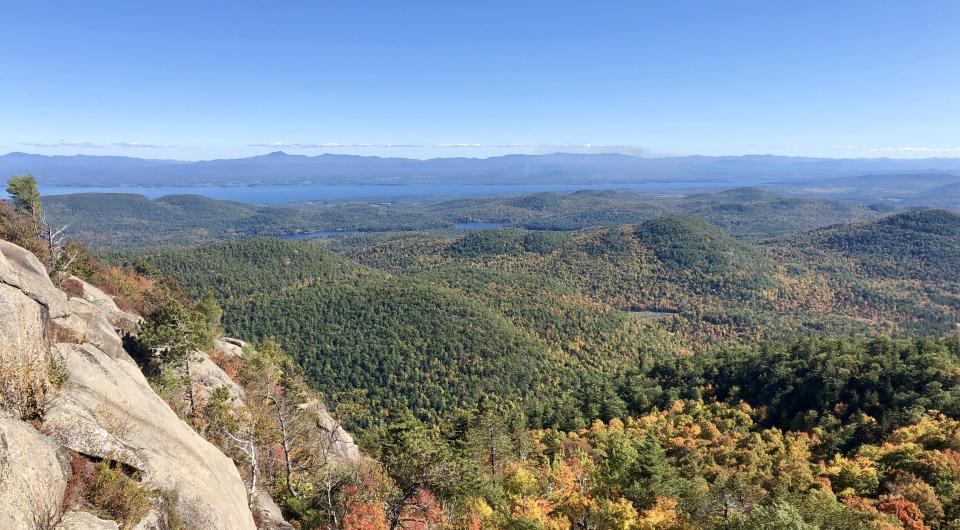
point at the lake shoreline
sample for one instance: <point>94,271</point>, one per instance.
<point>285,194</point>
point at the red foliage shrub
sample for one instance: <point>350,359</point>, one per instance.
<point>82,477</point>
<point>364,516</point>
<point>72,287</point>
<point>906,512</point>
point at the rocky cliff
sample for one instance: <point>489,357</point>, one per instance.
<point>69,386</point>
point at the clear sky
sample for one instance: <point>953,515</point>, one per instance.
<point>205,79</point>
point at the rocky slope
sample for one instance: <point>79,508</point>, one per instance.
<point>66,383</point>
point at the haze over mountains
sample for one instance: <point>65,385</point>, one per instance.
<point>557,168</point>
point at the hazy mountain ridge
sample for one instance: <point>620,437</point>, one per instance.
<point>283,168</point>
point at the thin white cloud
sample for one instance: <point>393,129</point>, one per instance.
<point>134,145</point>
<point>284,145</point>
<point>901,149</point>
<point>330,145</point>
<point>94,145</point>
<point>624,148</point>
<point>634,150</point>
<point>86,145</point>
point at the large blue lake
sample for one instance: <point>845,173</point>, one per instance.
<point>340,192</point>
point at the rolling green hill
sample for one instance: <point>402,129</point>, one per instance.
<point>753,211</point>
<point>130,221</point>
<point>127,220</point>
<point>553,211</point>
<point>433,343</point>
<point>436,321</point>
<point>920,245</point>
<point>692,347</point>
<point>115,220</point>
<point>684,242</point>
<point>739,211</point>
<point>406,342</point>
<point>721,287</point>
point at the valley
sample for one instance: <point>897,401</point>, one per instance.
<point>520,310</point>
<point>669,351</point>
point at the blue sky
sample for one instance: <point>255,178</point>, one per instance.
<point>199,80</point>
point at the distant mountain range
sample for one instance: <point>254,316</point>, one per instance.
<point>558,168</point>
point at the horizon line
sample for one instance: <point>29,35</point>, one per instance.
<point>553,153</point>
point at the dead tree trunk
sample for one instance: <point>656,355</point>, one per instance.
<point>285,443</point>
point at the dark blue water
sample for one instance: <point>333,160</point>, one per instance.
<point>478,226</point>
<point>340,192</point>
<point>340,233</point>
<point>318,235</point>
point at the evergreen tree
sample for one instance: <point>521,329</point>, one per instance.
<point>25,196</point>
<point>417,460</point>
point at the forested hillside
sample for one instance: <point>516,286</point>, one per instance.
<point>411,341</point>
<point>740,211</point>
<point>542,403</point>
<point>919,245</point>
<point>753,211</point>
<point>114,220</point>
<point>107,220</point>
<point>723,287</point>
<point>435,323</point>
<point>657,375</point>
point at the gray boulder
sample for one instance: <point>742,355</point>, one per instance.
<point>33,476</point>
<point>97,331</point>
<point>207,377</point>
<point>108,410</point>
<point>229,347</point>
<point>24,336</point>
<point>119,318</point>
<point>85,521</point>
<point>337,441</point>
<point>105,408</point>
<point>21,269</point>
<point>269,516</point>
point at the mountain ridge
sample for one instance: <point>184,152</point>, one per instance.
<point>279,167</point>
